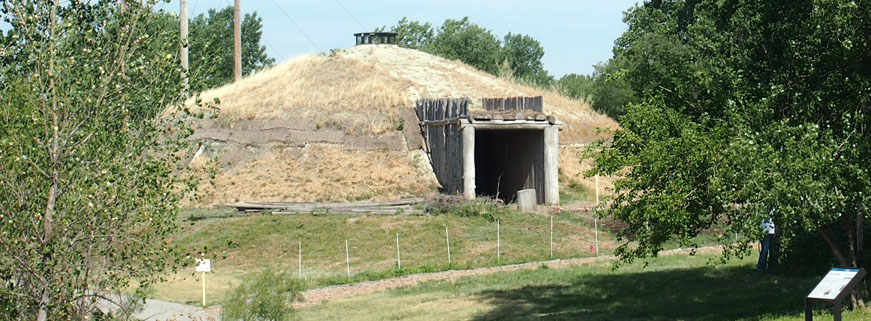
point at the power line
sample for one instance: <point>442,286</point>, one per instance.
<point>297,26</point>
<point>273,48</point>
<point>264,39</point>
<point>352,16</point>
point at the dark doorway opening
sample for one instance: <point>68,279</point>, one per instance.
<point>508,160</point>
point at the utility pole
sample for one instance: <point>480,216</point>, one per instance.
<point>237,39</point>
<point>183,27</point>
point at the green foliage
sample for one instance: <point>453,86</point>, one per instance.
<point>523,55</point>
<point>519,56</point>
<point>211,44</point>
<point>577,86</point>
<point>481,207</point>
<point>761,103</point>
<point>90,175</point>
<point>412,34</point>
<point>267,295</point>
<point>607,89</point>
<point>465,41</point>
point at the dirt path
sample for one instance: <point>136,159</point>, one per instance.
<point>336,292</point>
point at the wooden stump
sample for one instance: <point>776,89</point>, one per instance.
<point>526,200</point>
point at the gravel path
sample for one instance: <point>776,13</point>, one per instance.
<point>157,310</point>
<point>336,292</point>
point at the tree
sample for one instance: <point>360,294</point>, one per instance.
<point>523,55</point>
<point>467,42</point>
<point>211,43</point>
<point>412,34</point>
<point>611,88</point>
<point>743,107</point>
<point>577,86</point>
<point>89,172</point>
<point>518,57</point>
<point>607,89</point>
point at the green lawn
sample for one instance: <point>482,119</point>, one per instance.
<point>254,242</point>
<point>676,287</point>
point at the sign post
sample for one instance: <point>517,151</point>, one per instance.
<point>833,288</point>
<point>448,240</point>
<point>204,265</point>
<point>596,216</point>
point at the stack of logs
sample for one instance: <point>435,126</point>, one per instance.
<point>510,115</point>
<point>403,206</point>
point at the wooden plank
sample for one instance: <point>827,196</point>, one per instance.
<point>460,185</point>
<point>356,212</point>
<point>443,160</point>
<point>458,160</point>
<point>405,201</point>
<point>275,205</point>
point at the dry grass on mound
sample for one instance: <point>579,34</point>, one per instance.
<point>367,86</point>
<point>433,77</point>
<point>320,173</point>
<point>310,83</point>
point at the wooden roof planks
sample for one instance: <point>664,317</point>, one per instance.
<point>510,115</point>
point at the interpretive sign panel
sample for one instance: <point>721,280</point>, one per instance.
<point>833,288</point>
<point>204,265</point>
<point>833,284</point>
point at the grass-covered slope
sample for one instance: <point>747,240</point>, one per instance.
<point>252,243</point>
<point>675,287</point>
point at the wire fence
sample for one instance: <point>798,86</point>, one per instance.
<point>410,250</point>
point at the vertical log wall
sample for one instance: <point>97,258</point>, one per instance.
<point>513,103</point>
<point>441,128</point>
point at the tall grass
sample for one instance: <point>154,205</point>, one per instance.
<point>246,244</point>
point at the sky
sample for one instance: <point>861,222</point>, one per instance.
<point>575,35</point>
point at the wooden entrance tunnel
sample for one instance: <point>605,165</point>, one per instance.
<point>509,146</point>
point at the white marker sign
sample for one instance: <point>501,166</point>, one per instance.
<point>204,265</point>
<point>833,283</point>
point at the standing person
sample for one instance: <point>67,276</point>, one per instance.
<point>767,226</point>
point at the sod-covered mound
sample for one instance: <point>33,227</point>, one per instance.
<point>341,127</point>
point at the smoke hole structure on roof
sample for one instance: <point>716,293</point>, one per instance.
<point>375,38</point>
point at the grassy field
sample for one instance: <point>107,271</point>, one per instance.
<point>246,244</point>
<point>675,287</point>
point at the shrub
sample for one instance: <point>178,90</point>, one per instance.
<point>267,295</point>
<point>481,207</point>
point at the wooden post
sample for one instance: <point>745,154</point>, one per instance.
<point>551,236</point>
<point>526,200</point>
<point>468,162</point>
<point>398,258</point>
<point>237,39</point>
<point>551,164</point>
<point>183,35</point>
<point>596,216</point>
<point>498,242</point>
<point>204,288</point>
<point>347,258</point>
<point>808,309</point>
<point>448,239</point>
<point>300,259</point>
